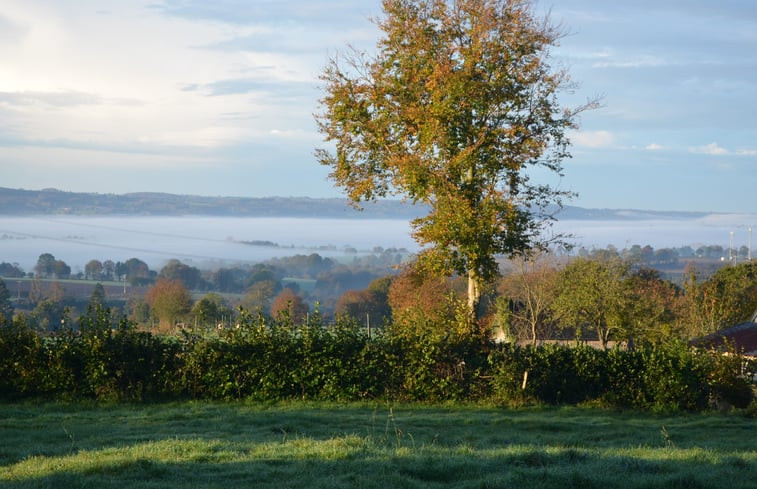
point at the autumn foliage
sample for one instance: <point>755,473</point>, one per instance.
<point>169,302</point>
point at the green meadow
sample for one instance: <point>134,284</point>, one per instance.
<point>229,445</point>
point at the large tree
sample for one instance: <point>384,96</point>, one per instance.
<point>455,110</point>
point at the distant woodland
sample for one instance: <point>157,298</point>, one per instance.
<point>53,201</point>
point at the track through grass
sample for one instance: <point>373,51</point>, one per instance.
<point>370,446</point>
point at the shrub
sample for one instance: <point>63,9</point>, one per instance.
<point>729,386</point>
<point>662,379</point>
<point>265,359</point>
<point>555,374</point>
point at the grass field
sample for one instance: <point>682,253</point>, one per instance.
<point>372,446</point>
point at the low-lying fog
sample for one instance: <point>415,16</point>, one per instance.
<point>212,241</point>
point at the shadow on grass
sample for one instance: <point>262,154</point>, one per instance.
<point>357,462</point>
<point>225,446</point>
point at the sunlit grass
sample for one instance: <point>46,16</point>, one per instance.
<point>318,445</point>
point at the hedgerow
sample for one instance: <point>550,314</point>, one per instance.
<point>107,358</point>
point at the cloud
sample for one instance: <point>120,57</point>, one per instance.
<point>654,147</point>
<point>715,149</point>
<point>73,156</point>
<point>244,12</point>
<point>643,61</point>
<point>69,98</point>
<point>296,135</point>
<point>710,149</point>
<point>11,31</point>
<point>593,139</point>
<point>241,86</point>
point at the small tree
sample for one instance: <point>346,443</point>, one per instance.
<point>61,269</point>
<point>45,266</point>
<point>6,307</point>
<point>176,270</point>
<point>289,304</point>
<point>354,303</point>
<point>169,301</point>
<point>594,295</point>
<point>727,298</point>
<point>456,109</point>
<point>211,310</point>
<point>372,302</point>
<point>12,270</point>
<point>93,270</point>
<point>135,271</point>
<point>260,295</point>
<point>654,309</point>
<point>532,288</point>
<point>421,302</point>
<point>49,315</point>
<point>109,270</point>
<point>36,294</point>
<point>97,298</point>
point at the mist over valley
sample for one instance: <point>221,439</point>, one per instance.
<point>79,227</point>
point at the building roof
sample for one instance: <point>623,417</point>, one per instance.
<point>742,338</point>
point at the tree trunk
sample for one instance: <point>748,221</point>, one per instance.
<point>474,293</point>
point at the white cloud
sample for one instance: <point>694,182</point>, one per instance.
<point>120,77</point>
<point>593,139</point>
<point>713,149</point>
<point>636,62</point>
<point>654,147</point>
<point>56,156</point>
<point>311,137</point>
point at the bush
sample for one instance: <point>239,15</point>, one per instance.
<point>660,379</point>
<point>728,379</point>
<point>106,358</point>
<point>555,374</point>
<point>21,359</point>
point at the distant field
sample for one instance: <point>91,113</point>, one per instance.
<point>72,288</point>
<point>370,446</point>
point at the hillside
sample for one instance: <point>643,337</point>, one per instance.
<point>55,202</point>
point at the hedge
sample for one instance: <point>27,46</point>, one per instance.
<point>107,358</point>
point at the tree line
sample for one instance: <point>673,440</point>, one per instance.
<point>405,336</point>
<point>606,296</point>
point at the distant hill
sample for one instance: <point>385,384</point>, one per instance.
<point>54,202</point>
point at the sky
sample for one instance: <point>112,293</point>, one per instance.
<point>217,98</point>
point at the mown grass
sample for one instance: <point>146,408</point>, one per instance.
<point>370,446</point>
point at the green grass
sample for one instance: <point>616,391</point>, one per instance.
<point>372,446</point>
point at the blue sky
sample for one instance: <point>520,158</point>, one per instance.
<point>216,98</point>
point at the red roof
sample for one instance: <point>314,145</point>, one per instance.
<point>742,337</point>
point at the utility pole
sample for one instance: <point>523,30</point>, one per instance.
<point>749,251</point>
